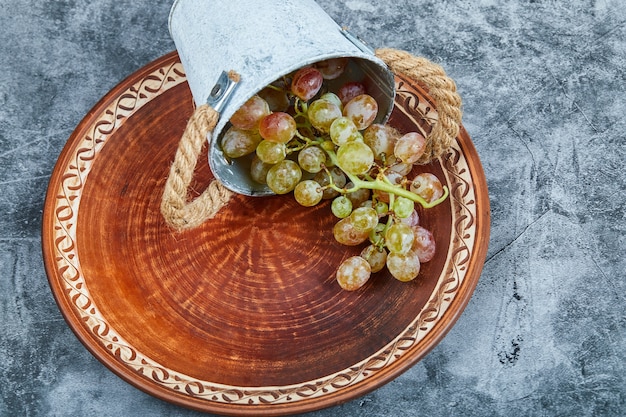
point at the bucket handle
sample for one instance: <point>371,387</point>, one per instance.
<point>181,214</point>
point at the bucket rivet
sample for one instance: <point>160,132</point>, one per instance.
<point>217,89</point>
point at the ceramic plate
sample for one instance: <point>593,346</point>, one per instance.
<point>242,315</point>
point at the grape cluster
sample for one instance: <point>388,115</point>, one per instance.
<point>324,145</point>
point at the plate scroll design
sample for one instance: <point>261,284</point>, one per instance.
<point>68,266</point>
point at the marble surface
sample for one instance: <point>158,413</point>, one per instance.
<point>543,85</point>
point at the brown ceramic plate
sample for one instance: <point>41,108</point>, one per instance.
<point>241,316</point>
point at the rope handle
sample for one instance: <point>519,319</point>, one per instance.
<point>177,211</point>
<point>443,91</point>
<point>181,214</point>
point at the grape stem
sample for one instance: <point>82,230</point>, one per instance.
<point>385,185</point>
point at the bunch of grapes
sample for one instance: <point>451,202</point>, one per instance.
<point>324,145</point>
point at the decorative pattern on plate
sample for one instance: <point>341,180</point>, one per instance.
<point>68,266</point>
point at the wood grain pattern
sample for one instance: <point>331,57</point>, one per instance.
<point>241,316</point>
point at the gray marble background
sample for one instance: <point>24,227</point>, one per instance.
<point>544,86</point>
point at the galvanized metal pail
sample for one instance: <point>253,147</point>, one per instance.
<point>262,41</point>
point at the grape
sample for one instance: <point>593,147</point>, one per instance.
<point>328,145</point>
<point>403,266</point>
<point>306,83</point>
<point>403,207</point>
<point>350,90</point>
<point>381,138</point>
<point>364,219</point>
<point>332,68</point>
<point>412,220</point>
<point>381,208</point>
<point>237,143</point>
<point>398,166</point>
<point>258,170</point>
<point>359,196</point>
<point>343,130</point>
<point>353,273</point>
<point>333,98</point>
<point>308,193</point>
<point>322,113</point>
<point>423,244</point>
<point>276,99</point>
<point>355,157</point>
<point>376,236</point>
<point>427,186</point>
<point>410,147</point>
<point>399,238</point>
<point>341,207</point>
<point>271,152</point>
<point>311,159</point>
<point>395,179</point>
<point>376,257</point>
<point>248,116</point>
<point>284,176</point>
<point>346,234</point>
<point>362,110</point>
<point>338,177</point>
<point>277,127</point>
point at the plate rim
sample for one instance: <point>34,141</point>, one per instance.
<point>451,314</point>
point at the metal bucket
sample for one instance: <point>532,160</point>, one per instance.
<point>262,41</point>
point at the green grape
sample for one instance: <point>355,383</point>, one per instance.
<point>353,273</point>
<point>322,113</point>
<point>377,235</point>
<point>345,233</point>
<point>333,98</point>
<point>343,130</point>
<point>237,142</point>
<point>364,219</point>
<point>381,208</point>
<point>328,145</point>
<point>355,157</point>
<point>341,207</point>
<point>376,257</point>
<point>399,238</point>
<point>403,266</point>
<point>308,193</point>
<point>403,207</point>
<point>312,159</point>
<point>284,176</point>
<point>271,152</point>
<point>258,170</point>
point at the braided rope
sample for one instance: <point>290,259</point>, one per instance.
<point>181,214</point>
<point>440,87</point>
